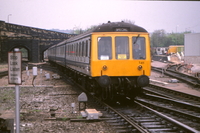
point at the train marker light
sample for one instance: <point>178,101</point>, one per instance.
<point>139,67</point>
<point>105,67</point>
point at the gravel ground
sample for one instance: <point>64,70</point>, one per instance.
<point>36,103</point>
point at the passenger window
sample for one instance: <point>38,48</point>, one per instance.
<point>104,48</point>
<point>86,54</point>
<point>139,48</point>
<point>122,48</point>
<point>80,47</point>
<point>83,49</point>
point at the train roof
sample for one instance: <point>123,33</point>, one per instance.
<point>111,27</point>
<point>107,27</point>
<point>118,27</point>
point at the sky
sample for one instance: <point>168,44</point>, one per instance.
<point>172,16</point>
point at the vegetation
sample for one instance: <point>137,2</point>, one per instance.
<point>24,52</point>
<point>159,38</point>
<point>128,21</point>
<point>7,95</point>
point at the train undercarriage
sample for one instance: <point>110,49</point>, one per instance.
<point>108,88</point>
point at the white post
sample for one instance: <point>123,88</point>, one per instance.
<point>40,76</point>
<point>17,110</point>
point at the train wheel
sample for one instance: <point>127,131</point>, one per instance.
<point>112,93</point>
<point>104,93</point>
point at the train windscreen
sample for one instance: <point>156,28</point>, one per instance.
<point>104,48</point>
<point>122,47</point>
<point>139,48</point>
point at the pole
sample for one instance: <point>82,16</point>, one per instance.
<point>9,16</point>
<point>17,109</point>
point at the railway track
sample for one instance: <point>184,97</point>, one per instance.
<point>136,116</point>
<point>181,76</point>
<point>139,116</point>
<point>4,73</point>
<point>173,94</point>
<point>182,107</point>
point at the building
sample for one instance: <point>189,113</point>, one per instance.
<point>192,48</point>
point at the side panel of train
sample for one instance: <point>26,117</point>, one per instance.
<point>52,54</point>
<point>119,59</point>
<point>78,55</point>
<point>60,55</point>
<point>74,55</point>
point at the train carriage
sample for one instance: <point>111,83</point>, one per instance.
<point>111,60</point>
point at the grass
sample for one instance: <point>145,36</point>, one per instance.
<point>79,117</point>
<point>36,110</point>
<point>3,66</point>
<point>7,95</point>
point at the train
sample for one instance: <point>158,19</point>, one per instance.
<point>103,60</point>
<point>175,48</point>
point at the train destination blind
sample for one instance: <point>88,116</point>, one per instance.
<point>14,68</point>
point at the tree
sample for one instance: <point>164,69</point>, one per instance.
<point>158,38</point>
<point>90,28</point>
<point>128,21</point>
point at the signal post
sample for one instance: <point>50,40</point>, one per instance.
<point>15,77</point>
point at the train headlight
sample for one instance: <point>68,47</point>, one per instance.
<point>143,80</point>
<point>139,67</point>
<point>105,68</point>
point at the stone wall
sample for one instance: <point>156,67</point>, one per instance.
<point>35,40</point>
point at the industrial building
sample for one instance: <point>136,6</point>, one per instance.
<point>192,48</point>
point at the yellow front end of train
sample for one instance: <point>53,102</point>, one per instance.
<point>114,54</point>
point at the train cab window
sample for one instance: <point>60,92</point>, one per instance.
<point>104,48</point>
<point>122,48</point>
<point>139,48</point>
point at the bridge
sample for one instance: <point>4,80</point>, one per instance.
<point>33,40</point>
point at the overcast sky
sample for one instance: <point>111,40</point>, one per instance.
<point>171,16</point>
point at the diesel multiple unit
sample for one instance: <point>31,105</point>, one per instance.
<point>111,60</point>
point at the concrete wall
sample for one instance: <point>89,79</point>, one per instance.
<point>192,48</point>
<point>192,44</point>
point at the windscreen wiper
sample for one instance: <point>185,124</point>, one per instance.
<point>136,38</point>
